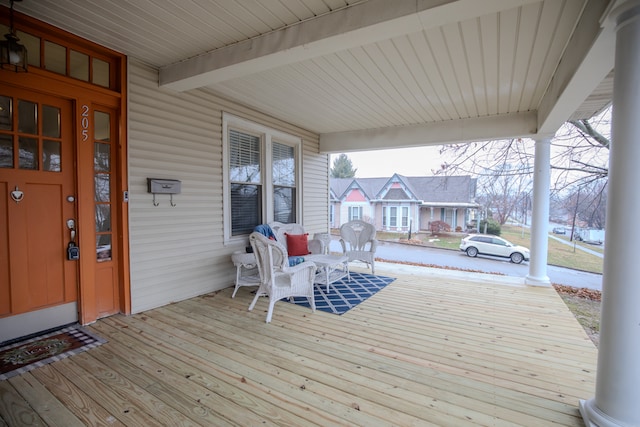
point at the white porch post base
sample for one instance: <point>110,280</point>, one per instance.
<point>537,280</point>
<point>593,417</point>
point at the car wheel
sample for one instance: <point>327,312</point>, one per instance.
<point>471,251</point>
<point>517,257</point>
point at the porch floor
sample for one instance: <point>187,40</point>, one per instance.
<point>429,349</point>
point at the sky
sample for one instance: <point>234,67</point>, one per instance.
<point>417,161</point>
<point>420,161</point>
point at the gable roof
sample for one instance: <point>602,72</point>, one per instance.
<point>369,186</point>
<point>427,189</point>
<point>444,189</point>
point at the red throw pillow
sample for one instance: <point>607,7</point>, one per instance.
<point>297,244</point>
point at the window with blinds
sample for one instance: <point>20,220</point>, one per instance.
<point>284,183</point>
<point>246,182</point>
<point>261,176</point>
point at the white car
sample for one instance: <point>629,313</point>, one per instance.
<point>485,244</point>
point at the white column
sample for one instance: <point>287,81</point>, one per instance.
<point>617,399</point>
<point>540,215</point>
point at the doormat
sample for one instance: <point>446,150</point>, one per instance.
<point>343,294</point>
<point>23,356</point>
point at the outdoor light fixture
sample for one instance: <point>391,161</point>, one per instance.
<point>13,55</point>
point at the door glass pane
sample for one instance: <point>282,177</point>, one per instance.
<point>50,121</point>
<point>32,43</point>
<point>27,117</point>
<point>103,218</point>
<point>79,65</point>
<point>100,72</point>
<point>55,57</point>
<point>103,247</point>
<point>6,113</point>
<point>6,151</point>
<point>103,192</point>
<point>101,126</point>
<point>102,157</point>
<point>28,153</point>
<point>51,156</point>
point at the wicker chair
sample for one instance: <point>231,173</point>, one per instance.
<point>358,240</point>
<point>314,246</point>
<point>277,279</point>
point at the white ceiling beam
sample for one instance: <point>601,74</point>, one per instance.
<point>363,23</point>
<point>587,60</point>
<point>506,126</point>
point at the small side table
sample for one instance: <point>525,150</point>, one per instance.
<point>331,268</point>
<point>246,270</point>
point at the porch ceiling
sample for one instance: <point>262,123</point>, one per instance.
<point>373,73</point>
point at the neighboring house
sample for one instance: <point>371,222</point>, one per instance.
<point>401,203</point>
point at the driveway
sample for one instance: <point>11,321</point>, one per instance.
<point>398,252</point>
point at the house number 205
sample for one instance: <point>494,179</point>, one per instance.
<point>84,121</point>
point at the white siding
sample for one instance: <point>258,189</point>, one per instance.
<point>178,252</point>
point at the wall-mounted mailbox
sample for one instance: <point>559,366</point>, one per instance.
<point>163,186</point>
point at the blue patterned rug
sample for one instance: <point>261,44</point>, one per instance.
<point>344,295</point>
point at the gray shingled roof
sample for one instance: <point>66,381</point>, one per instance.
<point>429,189</point>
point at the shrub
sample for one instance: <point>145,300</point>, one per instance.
<point>492,227</point>
<point>458,229</point>
<point>439,226</point>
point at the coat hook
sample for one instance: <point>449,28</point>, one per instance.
<point>154,200</point>
<point>171,200</point>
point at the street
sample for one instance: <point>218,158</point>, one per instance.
<point>400,252</point>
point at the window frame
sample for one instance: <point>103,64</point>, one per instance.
<point>404,216</point>
<point>267,137</point>
<point>357,208</point>
<point>393,216</point>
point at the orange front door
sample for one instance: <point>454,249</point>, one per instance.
<point>37,211</point>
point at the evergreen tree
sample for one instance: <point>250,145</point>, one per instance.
<point>342,167</point>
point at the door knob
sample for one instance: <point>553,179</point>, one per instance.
<point>17,195</point>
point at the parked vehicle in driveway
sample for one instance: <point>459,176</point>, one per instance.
<point>484,244</point>
<point>559,230</point>
<point>590,235</point>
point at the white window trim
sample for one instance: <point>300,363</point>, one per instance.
<point>386,217</point>
<point>268,136</point>
<point>402,216</point>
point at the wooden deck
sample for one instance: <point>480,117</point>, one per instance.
<point>435,350</point>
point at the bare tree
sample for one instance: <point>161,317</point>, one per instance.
<point>588,204</point>
<point>579,157</point>
<point>503,193</point>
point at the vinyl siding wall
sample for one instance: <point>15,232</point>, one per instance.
<point>178,252</point>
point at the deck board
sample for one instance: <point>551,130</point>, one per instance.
<point>428,350</point>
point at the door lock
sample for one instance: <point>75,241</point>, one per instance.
<point>73,251</point>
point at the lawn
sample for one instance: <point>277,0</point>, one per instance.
<point>559,253</point>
